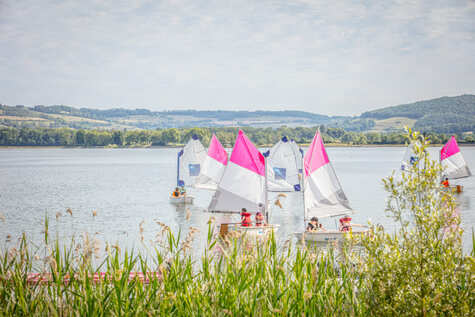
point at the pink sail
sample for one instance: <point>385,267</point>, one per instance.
<point>316,155</point>
<point>246,155</point>
<point>453,163</point>
<point>217,151</point>
<point>213,166</point>
<point>449,149</point>
<point>323,194</point>
<point>243,181</point>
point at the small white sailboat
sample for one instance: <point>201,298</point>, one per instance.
<point>453,163</point>
<point>189,161</point>
<point>181,200</point>
<point>409,158</point>
<point>213,166</point>
<point>322,192</point>
<point>284,166</point>
<point>243,185</point>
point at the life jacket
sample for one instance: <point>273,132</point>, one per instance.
<point>345,224</point>
<point>346,228</point>
<point>445,184</point>
<point>259,220</point>
<point>311,227</point>
<point>176,194</point>
<point>246,219</point>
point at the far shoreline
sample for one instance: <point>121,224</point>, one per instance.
<point>335,145</point>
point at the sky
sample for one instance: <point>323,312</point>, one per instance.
<point>339,57</point>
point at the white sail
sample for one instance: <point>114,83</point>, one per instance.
<point>298,153</point>
<point>190,160</point>
<point>409,158</point>
<point>323,194</point>
<point>284,161</point>
<point>453,162</point>
<point>213,166</point>
<point>243,181</point>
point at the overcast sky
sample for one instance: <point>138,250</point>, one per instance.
<point>330,57</point>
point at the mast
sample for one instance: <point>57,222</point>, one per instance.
<point>303,195</point>
<point>266,199</point>
<point>178,169</point>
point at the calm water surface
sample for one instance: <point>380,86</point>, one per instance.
<point>128,186</point>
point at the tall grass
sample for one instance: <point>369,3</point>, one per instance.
<point>234,276</point>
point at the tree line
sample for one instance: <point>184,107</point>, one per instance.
<point>174,136</point>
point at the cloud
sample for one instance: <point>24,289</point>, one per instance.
<point>337,57</point>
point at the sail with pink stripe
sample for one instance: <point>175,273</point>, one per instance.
<point>243,182</point>
<point>453,163</point>
<point>213,166</point>
<point>323,194</point>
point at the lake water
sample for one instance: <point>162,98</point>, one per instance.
<point>128,186</point>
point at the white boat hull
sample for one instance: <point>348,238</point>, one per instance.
<point>182,200</point>
<point>258,231</point>
<point>253,231</point>
<point>326,236</point>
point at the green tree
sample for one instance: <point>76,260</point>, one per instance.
<point>171,136</point>
<point>420,270</point>
<point>118,138</point>
<point>80,137</point>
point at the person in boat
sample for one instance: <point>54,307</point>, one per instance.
<point>182,190</point>
<point>314,225</point>
<point>176,192</point>
<point>260,219</point>
<point>346,225</point>
<point>445,183</point>
<point>245,218</point>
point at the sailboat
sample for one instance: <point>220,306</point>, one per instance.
<point>453,163</point>
<point>189,161</point>
<point>213,166</point>
<point>409,158</point>
<point>284,165</point>
<point>322,193</point>
<point>243,185</point>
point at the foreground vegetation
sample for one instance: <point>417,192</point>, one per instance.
<point>173,136</point>
<point>418,270</point>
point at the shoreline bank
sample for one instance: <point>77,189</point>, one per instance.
<point>181,145</point>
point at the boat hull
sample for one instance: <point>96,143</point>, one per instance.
<point>253,231</point>
<point>182,200</point>
<point>257,231</point>
<point>456,189</point>
<point>326,236</point>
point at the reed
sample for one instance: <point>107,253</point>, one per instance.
<point>233,276</point>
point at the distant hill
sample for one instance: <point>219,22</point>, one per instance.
<point>445,114</point>
<point>86,118</point>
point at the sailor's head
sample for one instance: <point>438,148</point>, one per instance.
<point>345,219</point>
<point>244,210</point>
<point>176,188</point>
<point>446,178</point>
<point>314,219</point>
